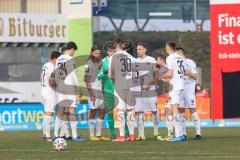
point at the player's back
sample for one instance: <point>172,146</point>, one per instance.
<point>176,64</point>
<point>122,64</point>
<point>65,74</point>
<point>61,64</point>
<point>47,70</point>
<point>191,65</point>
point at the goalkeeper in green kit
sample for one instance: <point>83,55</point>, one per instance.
<point>108,87</point>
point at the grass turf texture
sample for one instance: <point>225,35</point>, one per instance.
<point>218,143</point>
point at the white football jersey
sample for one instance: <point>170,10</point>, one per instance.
<point>188,81</point>
<point>65,70</point>
<point>47,71</point>
<point>177,65</point>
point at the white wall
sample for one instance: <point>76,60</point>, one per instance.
<point>28,91</point>
<point>81,10</point>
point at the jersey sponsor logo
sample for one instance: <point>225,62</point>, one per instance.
<point>86,68</point>
<point>192,102</point>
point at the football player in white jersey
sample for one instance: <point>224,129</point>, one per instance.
<point>189,100</point>
<point>48,95</point>
<point>121,67</point>
<point>67,83</point>
<point>95,97</point>
<point>175,66</point>
<point>146,101</point>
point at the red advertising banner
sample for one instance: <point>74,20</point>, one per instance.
<point>225,47</point>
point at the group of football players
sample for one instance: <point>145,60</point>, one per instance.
<point>123,83</point>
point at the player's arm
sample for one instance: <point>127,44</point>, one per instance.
<point>52,81</point>
<point>156,76</point>
<point>192,72</point>
<point>102,73</point>
<point>87,79</point>
<point>167,74</point>
<point>110,69</point>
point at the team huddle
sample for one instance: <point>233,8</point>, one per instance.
<point>124,83</point>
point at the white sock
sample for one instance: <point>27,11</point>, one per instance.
<point>155,122</point>
<point>99,127</point>
<point>58,122</point>
<point>121,123</point>
<point>91,127</point>
<point>184,131</point>
<point>197,124</point>
<point>177,125</point>
<point>169,124</point>
<point>48,121</point>
<point>65,123</point>
<point>43,126</point>
<point>140,122</point>
<point>73,123</point>
<point>131,122</point>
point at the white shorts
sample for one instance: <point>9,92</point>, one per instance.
<point>146,104</point>
<point>175,96</point>
<point>64,100</point>
<point>188,99</point>
<point>49,103</point>
<point>124,99</point>
<point>97,105</point>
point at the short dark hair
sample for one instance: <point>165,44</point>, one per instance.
<point>118,42</point>
<point>64,49</point>
<point>94,48</point>
<point>171,44</point>
<point>71,45</point>
<point>162,56</point>
<point>180,49</point>
<point>55,54</point>
<point>142,44</point>
<point>109,46</point>
<point>128,46</point>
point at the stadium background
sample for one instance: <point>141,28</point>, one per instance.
<point>94,22</point>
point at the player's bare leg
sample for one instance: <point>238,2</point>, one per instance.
<point>196,119</point>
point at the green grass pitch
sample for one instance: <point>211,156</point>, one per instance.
<point>217,144</point>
